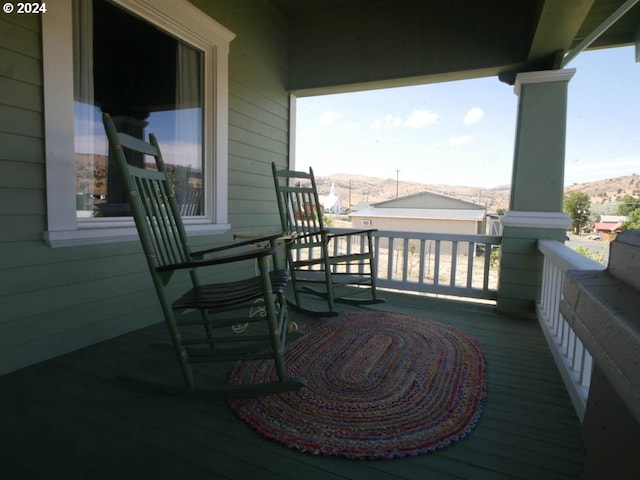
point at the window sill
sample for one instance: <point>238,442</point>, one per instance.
<point>120,231</point>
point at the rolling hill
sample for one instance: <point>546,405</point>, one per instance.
<point>355,190</point>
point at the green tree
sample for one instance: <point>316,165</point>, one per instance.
<point>633,222</point>
<point>628,205</point>
<point>577,205</point>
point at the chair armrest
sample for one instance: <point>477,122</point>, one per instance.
<point>330,234</point>
<point>353,232</point>
<point>250,255</point>
<point>201,253</point>
<point>296,235</point>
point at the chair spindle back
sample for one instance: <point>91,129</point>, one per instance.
<point>152,200</point>
<point>299,205</point>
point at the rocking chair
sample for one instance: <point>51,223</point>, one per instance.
<point>200,321</point>
<point>337,267</point>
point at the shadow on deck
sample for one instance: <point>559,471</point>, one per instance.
<point>68,418</point>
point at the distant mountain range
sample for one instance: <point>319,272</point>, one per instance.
<point>356,190</point>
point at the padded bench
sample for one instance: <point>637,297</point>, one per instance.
<point>603,308</point>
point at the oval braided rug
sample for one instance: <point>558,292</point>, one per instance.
<point>380,385</point>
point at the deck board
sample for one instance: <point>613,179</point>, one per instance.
<point>70,418</point>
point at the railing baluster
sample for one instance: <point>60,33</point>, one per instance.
<point>544,290</point>
<point>405,259</point>
<point>398,270</point>
<point>587,367</point>
<point>573,360</point>
<point>421,264</point>
<point>578,358</point>
<point>376,254</point>
<point>454,262</point>
<point>470,257</point>
<point>436,265</point>
<point>363,247</point>
<point>488,253</point>
<point>390,259</point>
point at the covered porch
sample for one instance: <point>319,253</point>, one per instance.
<point>69,417</point>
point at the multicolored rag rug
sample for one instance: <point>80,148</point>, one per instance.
<point>380,385</point>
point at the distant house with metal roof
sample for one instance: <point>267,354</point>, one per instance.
<point>609,223</point>
<point>423,212</point>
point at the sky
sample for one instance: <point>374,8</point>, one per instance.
<point>463,132</point>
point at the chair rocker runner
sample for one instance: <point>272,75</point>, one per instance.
<point>337,267</point>
<point>199,321</point>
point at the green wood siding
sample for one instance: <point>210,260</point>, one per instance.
<point>258,108</point>
<point>58,300</point>
<point>521,272</point>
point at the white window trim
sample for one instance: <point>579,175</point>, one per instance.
<point>178,18</point>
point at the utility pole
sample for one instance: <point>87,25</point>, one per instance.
<point>397,180</point>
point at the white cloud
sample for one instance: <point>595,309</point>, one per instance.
<point>417,119</point>
<point>473,116</point>
<point>309,134</point>
<point>421,118</point>
<point>388,121</point>
<point>461,140</point>
<point>329,118</point>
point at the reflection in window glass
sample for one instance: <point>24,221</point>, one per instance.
<point>149,82</point>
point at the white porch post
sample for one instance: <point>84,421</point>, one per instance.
<point>537,187</point>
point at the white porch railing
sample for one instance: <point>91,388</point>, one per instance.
<point>449,264</point>
<point>573,360</point>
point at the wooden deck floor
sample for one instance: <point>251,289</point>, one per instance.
<point>68,418</point>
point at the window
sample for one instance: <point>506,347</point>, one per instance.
<point>156,66</point>
<point>145,90</point>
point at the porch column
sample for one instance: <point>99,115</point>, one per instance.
<point>537,187</point>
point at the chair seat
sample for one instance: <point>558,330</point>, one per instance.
<point>217,295</point>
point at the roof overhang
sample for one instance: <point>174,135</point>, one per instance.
<point>348,45</point>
